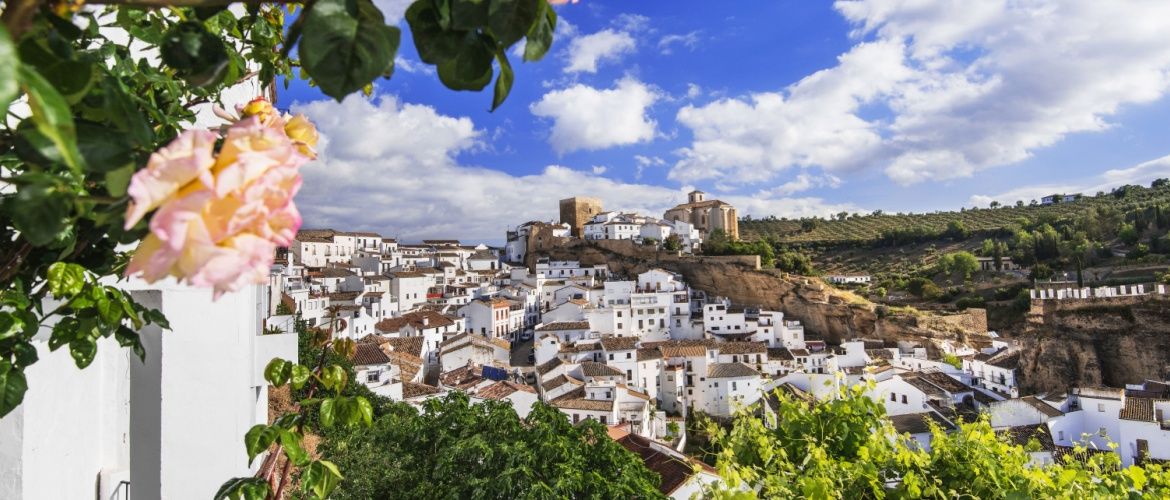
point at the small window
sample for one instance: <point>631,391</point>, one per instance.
<point>893,397</point>
<point>603,419</point>
<point>903,399</point>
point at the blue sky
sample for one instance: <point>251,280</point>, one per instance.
<point>787,108</point>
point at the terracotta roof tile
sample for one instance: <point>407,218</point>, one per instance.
<point>729,370</point>
<point>414,390</point>
<point>619,343</point>
<point>575,400</point>
<point>742,347</point>
<point>591,369</point>
<point>368,354</point>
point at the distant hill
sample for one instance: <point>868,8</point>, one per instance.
<point>872,227</point>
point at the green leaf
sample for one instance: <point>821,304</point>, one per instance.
<point>10,325</point>
<point>71,77</point>
<point>291,442</point>
<point>277,372</point>
<point>12,387</point>
<point>66,279</point>
<point>196,55</point>
<point>52,115</point>
<point>320,478</point>
<point>118,180</point>
<point>24,354</point>
<point>243,488</point>
<point>365,410</point>
<point>346,45</point>
<point>333,377</point>
<point>510,20</point>
<point>471,68</point>
<point>119,108</point>
<point>83,349</point>
<point>156,317</point>
<point>468,15</point>
<point>104,149</point>
<point>327,412</point>
<point>9,82</point>
<point>258,439</point>
<point>503,82</point>
<point>300,375</point>
<point>540,34</point>
<point>63,333</point>
<point>40,209</point>
<point>433,42</point>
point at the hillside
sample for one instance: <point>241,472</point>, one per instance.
<point>872,227</point>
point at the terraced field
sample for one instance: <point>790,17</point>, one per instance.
<point>871,227</point>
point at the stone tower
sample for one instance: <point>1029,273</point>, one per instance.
<point>576,211</point>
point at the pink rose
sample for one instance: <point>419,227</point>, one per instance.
<point>187,158</point>
<point>223,231</point>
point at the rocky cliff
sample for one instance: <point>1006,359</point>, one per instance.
<point>1105,341</point>
<point>826,312</point>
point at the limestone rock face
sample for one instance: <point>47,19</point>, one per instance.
<point>1106,341</point>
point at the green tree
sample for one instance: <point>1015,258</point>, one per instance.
<point>672,243</point>
<point>1128,234</point>
<point>455,449</point>
<point>965,264</point>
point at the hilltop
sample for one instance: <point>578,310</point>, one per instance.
<point>879,226</point>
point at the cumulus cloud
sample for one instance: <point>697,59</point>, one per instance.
<point>804,182</point>
<point>1140,174</point>
<point>394,168</point>
<point>955,91</point>
<point>393,10</point>
<point>694,90</point>
<point>586,52</point>
<point>689,41</point>
<point>586,118</point>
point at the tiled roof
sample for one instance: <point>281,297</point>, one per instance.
<point>1006,360</point>
<point>424,319</point>
<point>879,354</point>
<point>336,272</point>
<point>619,343</point>
<point>549,365</point>
<point>564,325</point>
<point>373,338</point>
<point>409,345</point>
<point>1041,406</point>
<point>922,385</point>
<point>917,423</point>
<point>463,377</point>
<point>407,363</point>
<point>368,354</point>
<point>1020,435</point>
<point>408,274</point>
<point>558,381</point>
<point>591,369</point>
<point>779,354</point>
<point>1139,409</point>
<point>729,370</point>
<point>503,389</point>
<point>799,352</point>
<point>742,347</point>
<point>675,471</point>
<point>945,382</point>
<point>414,390</point>
<point>343,296</point>
<point>649,354</point>
<point>575,400</point>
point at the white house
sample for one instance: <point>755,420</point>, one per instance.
<point>140,414</point>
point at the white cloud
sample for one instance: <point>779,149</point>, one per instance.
<point>646,161</point>
<point>633,23</point>
<point>599,169</point>
<point>1141,174</point>
<point>412,66</point>
<point>694,90</point>
<point>391,167</point>
<point>586,118</point>
<point>586,52</point>
<point>954,90</point>
<point>816,124</point>
<point>804,182</point>
<point>688,40</point>
<point>393,10</point>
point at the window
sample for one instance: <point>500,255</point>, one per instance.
<point>1060,435</point>
<point>903,399</point>
<point>603,419</point>
<point>628,355</point>
<point>611,356</point>
<point>716,384</point>
<point>576,418</point>
<point>733,387</point>
<point>893,397</point>
<point>629,374</point>
<point>373,376</point>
